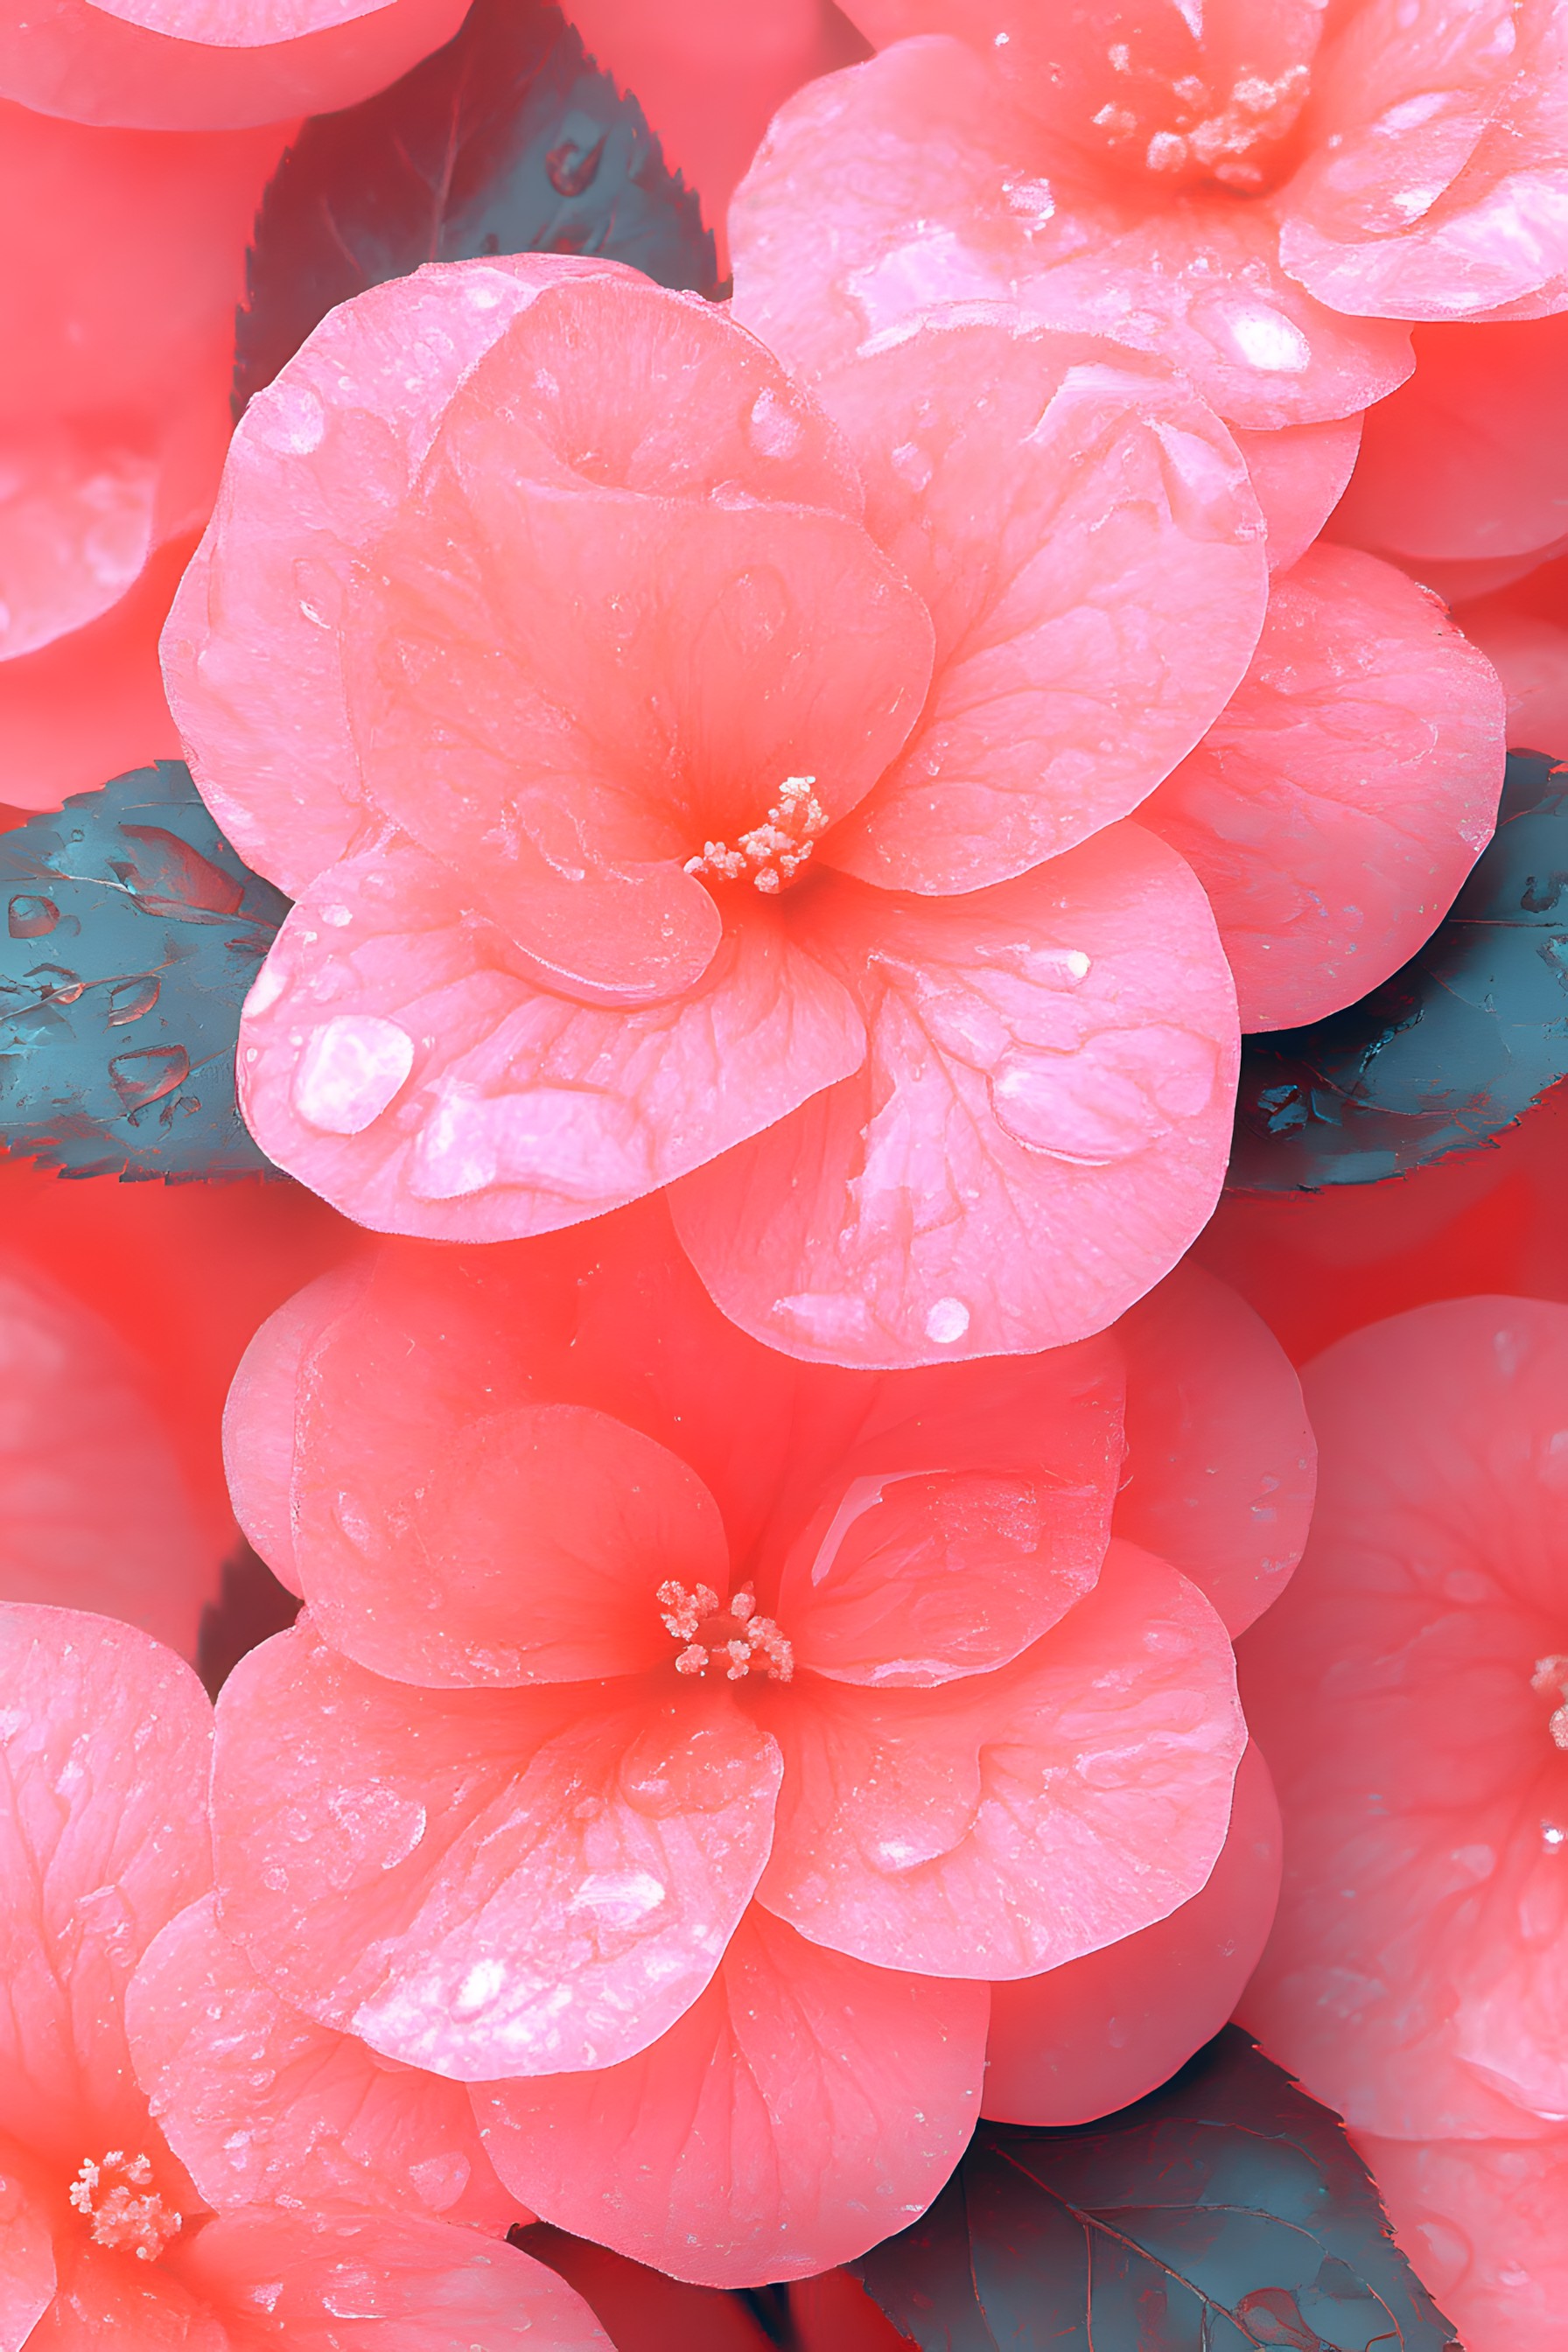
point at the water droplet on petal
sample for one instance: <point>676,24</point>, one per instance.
<point>947,1322</point>
<point>351,1070</point>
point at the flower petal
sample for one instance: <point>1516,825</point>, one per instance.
<point>511,1547</point>
<point>1437,185</point>
<point>1003,1825</point>
<point>104,1743</point>
<point>1416,1976</point>
<point>259,1417</point>
<point>1221,1463</point>
<point>94,1510</point>
<point>318,465</point>
<point>1083,533</point>
<point>970,1512</point>
<point>1039,1130</point>
<point>26,2246</point>
<point>571,697</point>
<point>1335,809</point>
<point>394,1057</point>
<point>381,2282</point>
<point>1298,473</point>
<point>263,2106</point>
<point>1105,2030</point>
<point>804,2107</point>
<point>79,62</point>
<point>1485,2222</point>
<point>1465,463</point>
<point>484,1884</point>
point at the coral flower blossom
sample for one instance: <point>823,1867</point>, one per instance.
<point>1257,190</point>
<point>198,64</point>
<point>1411,1693</point>
<point>105,1737</point>
<point>678,1739</point>
<point>681,782</point>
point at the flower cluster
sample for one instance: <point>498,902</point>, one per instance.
<point>790,803</point>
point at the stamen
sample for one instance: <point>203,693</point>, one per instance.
<point>773,852</point>
<point>129,2215</point>
<point>1551,1675</point>
<point>734,1637</point>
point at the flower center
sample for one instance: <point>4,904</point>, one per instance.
<point>1549,1678</point>
<point>127,2212</point>
<point>736,1638</point>
<point>771,854</point>
<point>1187,128</point>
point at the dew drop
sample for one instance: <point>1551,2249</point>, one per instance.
<point>352,1068</point>
<point>947,1322</point>
<point>32,919</point>
<point>131,998</point>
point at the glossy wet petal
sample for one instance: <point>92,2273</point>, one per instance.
<point>264,2106</point>
<point>1003,1825</point>
<point>396,1058</point>
<point>1048,1058</point>
<point>1083,534</point>
<point>484,1884</point>
<point>385,2283</point>
<point>804,2107</point>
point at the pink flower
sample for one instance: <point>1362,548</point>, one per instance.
<point>680,783</point>
<point>103,1842</point>
<point>1409,1694</point>
<point>196,65</point>
<point>679,1740</point>
<point>1257,191</point>
<point>93,1510</point>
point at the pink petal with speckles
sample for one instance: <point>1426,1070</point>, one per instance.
<point>485,1883</point>
<point>804,2102</point>
<point>1438,184</point>
<point>326,457</point>
<point>1334,810</point>
<point>1083,536</point>
<point>1052,1055</point>
<point>531,1549</point>
<point>1009,1821</point>
<point>399,1057</point>
<point>264,2106</point>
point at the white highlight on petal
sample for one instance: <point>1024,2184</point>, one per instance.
<point>1269,342</point>
<point>947,1322</point>
<point>351,1069</point>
